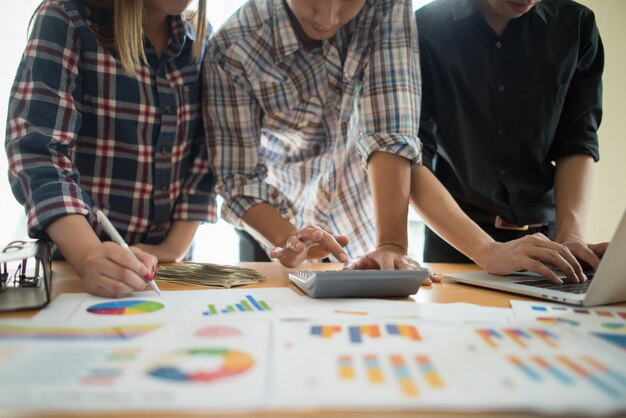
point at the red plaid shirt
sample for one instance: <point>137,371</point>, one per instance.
<point>82,134</point>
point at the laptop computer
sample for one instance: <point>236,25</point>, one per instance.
<point>606,285</point>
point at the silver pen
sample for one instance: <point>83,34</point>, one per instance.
<point>116,237</point>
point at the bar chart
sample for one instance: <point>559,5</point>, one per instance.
<point>410,375</point>
<point>248,304</point>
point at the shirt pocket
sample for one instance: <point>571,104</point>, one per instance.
<point>188,111</point>
<point>544,104</point>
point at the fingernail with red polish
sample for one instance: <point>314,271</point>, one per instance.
<point>149,276</point>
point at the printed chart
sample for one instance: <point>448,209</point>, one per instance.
<point>173,306</point>
<point>356,334</point>
<point>196,365</point>
<point>176,366</point>
<point>248,304</point>
<point>606,324</point>
<point>125,307</point>
<point>29,331</point>
<point>419,364</point>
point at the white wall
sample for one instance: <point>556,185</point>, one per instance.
<point>609,195</point>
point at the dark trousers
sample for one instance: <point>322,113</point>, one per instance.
<point>436,250</point>
<point>249,249</point>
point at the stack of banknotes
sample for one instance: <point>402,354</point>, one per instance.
<point>212,275</point>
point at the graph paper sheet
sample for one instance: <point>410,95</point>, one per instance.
<point>416,364</point>
<point>210,365</point>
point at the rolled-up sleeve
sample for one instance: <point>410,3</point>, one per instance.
<point>43,119</point>
<point>390,105</point>
<point>232,117</point>
<point>577,131</point>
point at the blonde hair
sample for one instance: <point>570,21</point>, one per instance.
<point>128,17</point>
<point>123,31</point>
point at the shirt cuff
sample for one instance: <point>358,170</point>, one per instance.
<point>52,202</point>
<point>240,199</point>
<point>196,207</point>
<point>393,143</point>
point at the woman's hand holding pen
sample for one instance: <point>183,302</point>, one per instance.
<point>106,268</point>
<point>111,271</point>
<point>310,243</point>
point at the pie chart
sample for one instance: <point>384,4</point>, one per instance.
<point>125,307</point>
<point>201,365</point>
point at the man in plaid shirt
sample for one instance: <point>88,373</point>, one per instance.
<point>312,112</point>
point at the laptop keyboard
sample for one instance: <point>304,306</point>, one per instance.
<point>577,288</point>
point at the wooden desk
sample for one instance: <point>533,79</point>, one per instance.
<point>66,281</point>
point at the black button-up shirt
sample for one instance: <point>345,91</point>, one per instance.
<point>497,112</point>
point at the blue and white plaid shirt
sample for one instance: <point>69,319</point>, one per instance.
<point>82,134</point>
<point>294,127</point>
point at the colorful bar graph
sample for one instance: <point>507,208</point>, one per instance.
<point>556,320</point>
<point>489,336</point>
<point>615,326</point>
<point>518,336</point>
<point>373,370</point>
<point>123,332</point>
<point>617,340</point>
<point>356,332</point>
<point>590,377</point>
<point>325,331</point>
<point>346,368</point>
<point>524,368</point>
<point>604,313</point>
<point>553,370</point>
<point>249,304</point>
<point>546,336</point>
<point>521,337</point>
<point>406,331</point>
<point>402,375</point>
<point>428,371</point>
<point>621,379</point>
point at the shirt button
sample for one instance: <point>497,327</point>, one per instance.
<point>164,150</point>
<point>498,45</point>
<point>168,109</point>
<point>503,172</point>
<point>500,132</point>
<point>164,188</point>
<point>347,75</point>
<point>500,88</point>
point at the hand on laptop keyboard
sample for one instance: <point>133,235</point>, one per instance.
<point>533,253</point>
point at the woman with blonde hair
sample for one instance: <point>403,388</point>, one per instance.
<point>105,114</point>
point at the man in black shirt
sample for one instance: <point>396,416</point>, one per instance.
<point>510,111</point>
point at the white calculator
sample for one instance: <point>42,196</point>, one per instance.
<point>359,283</point>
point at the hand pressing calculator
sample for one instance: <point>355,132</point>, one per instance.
<point>359,283</point>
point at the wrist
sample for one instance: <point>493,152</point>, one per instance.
<point>395,245</point>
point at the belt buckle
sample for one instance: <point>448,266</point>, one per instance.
<point>502,224</point>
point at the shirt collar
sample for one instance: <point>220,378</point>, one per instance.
<point>285,39</point>
<point>462,9</point>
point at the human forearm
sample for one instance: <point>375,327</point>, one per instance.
<point>572,187</point>
<point>389,178</point>
<point>442,214</point>
<point>266,223</point>
<point>176,244</point>
<point>75,239</point>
